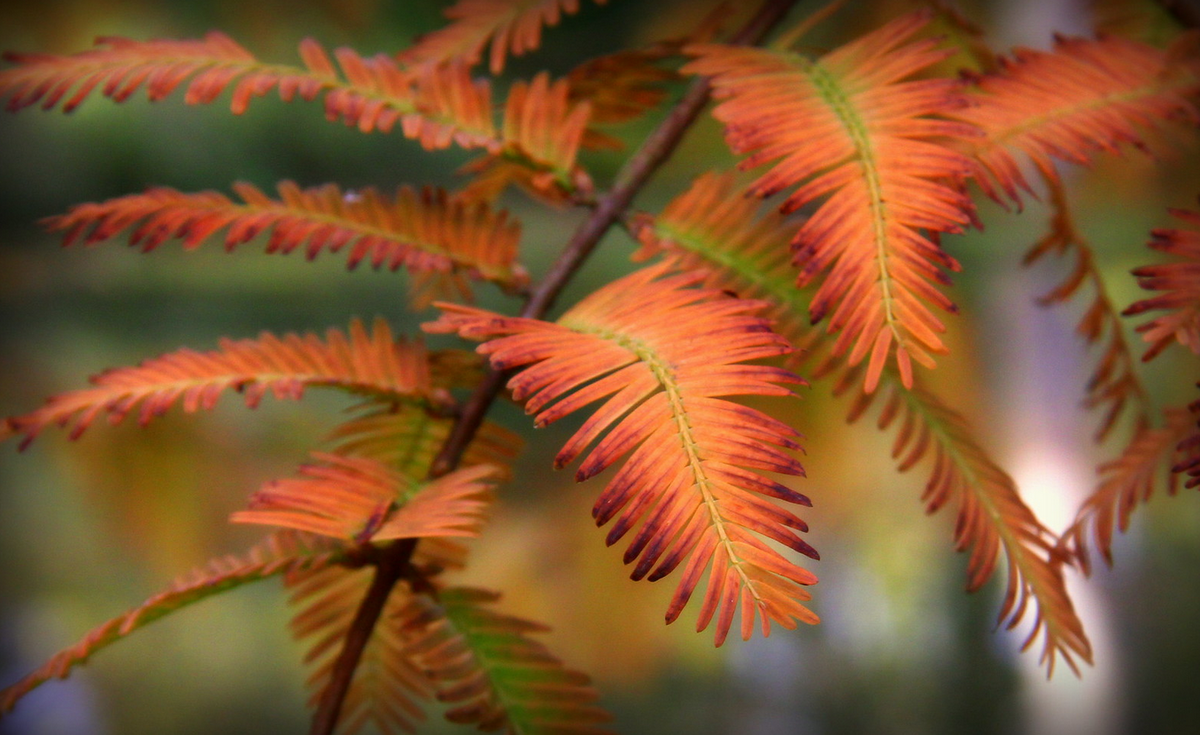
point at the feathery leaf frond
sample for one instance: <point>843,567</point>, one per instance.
<point>282,552</point>
<point>408,437</point>
<point>850,130</point>
<point>387,690</point>
<point>485,665</point>
<point>714,228</point>
<point>1114,384</point>
<point>1189,450</point>
<point>620,87</point>
<point>542,133</point>
<point>430,231</point>
<point>1180,281</point>
<point>992,521</point>
<point>692,477</point>
<point>373,364</point>
<point>437,106</point>
<point>360,499</point>
<point>1085,97</point>
<point>512,26</point>
<point>1124,482</point>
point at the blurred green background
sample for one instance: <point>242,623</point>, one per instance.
<point>89,529</point>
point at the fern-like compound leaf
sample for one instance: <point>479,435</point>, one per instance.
<point>620,87</point>
<point>1084,97</point>
<point>490,671</point>
<point>511,26</point>
<point>281,553</point>
<point>692,478</point>
<point>710,226</point>
<point>992,521</point>
<point>360,499</point>
<point>1180,282</point>
<point>714,227</point>
<point>428,232</point>
<point>407,438</point>
<point>436,106</point>
<point>366,363</point>
<point>1114,385</point>
<point>852,129</point>
<point>388,689</point>
<point>542,132</point>
<point>1125,482</point>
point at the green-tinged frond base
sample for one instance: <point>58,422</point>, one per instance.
<point>407,438</point>
<point>388,691</point>
<point>284,552</point>
<point>485,666</point>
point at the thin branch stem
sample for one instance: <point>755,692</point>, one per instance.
<point>609,210</point>
<point>388,570</point>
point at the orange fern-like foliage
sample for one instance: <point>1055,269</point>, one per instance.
<point>849,129</point>
<point>711,227</point>
<point>714,227</point>
<point>1181,283</point>
<point>366,363</point>
<point>387,687</point>
<point>692,478</point>
<point>1125,482</point>
<point>490,671</point>
<point>1084,97</point>
<point>1114,385</point>
<point>1189,450</point>
<point>992,521</point>
<point>361,499</point>
<point>620,87</point>
<point>546,128</point>
<point>431,233</point>
<point>437,107</point>
<point>512,26</point>
<point>407,437</point>
<point>285,552</point>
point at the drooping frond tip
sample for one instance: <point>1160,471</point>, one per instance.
<point>431,233</point>
<point>992,521</point>
<point>512,26</point>
<point>691,484</point>
<point>281,553</point>
<point>367,363</point>
<point>852,129</point>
